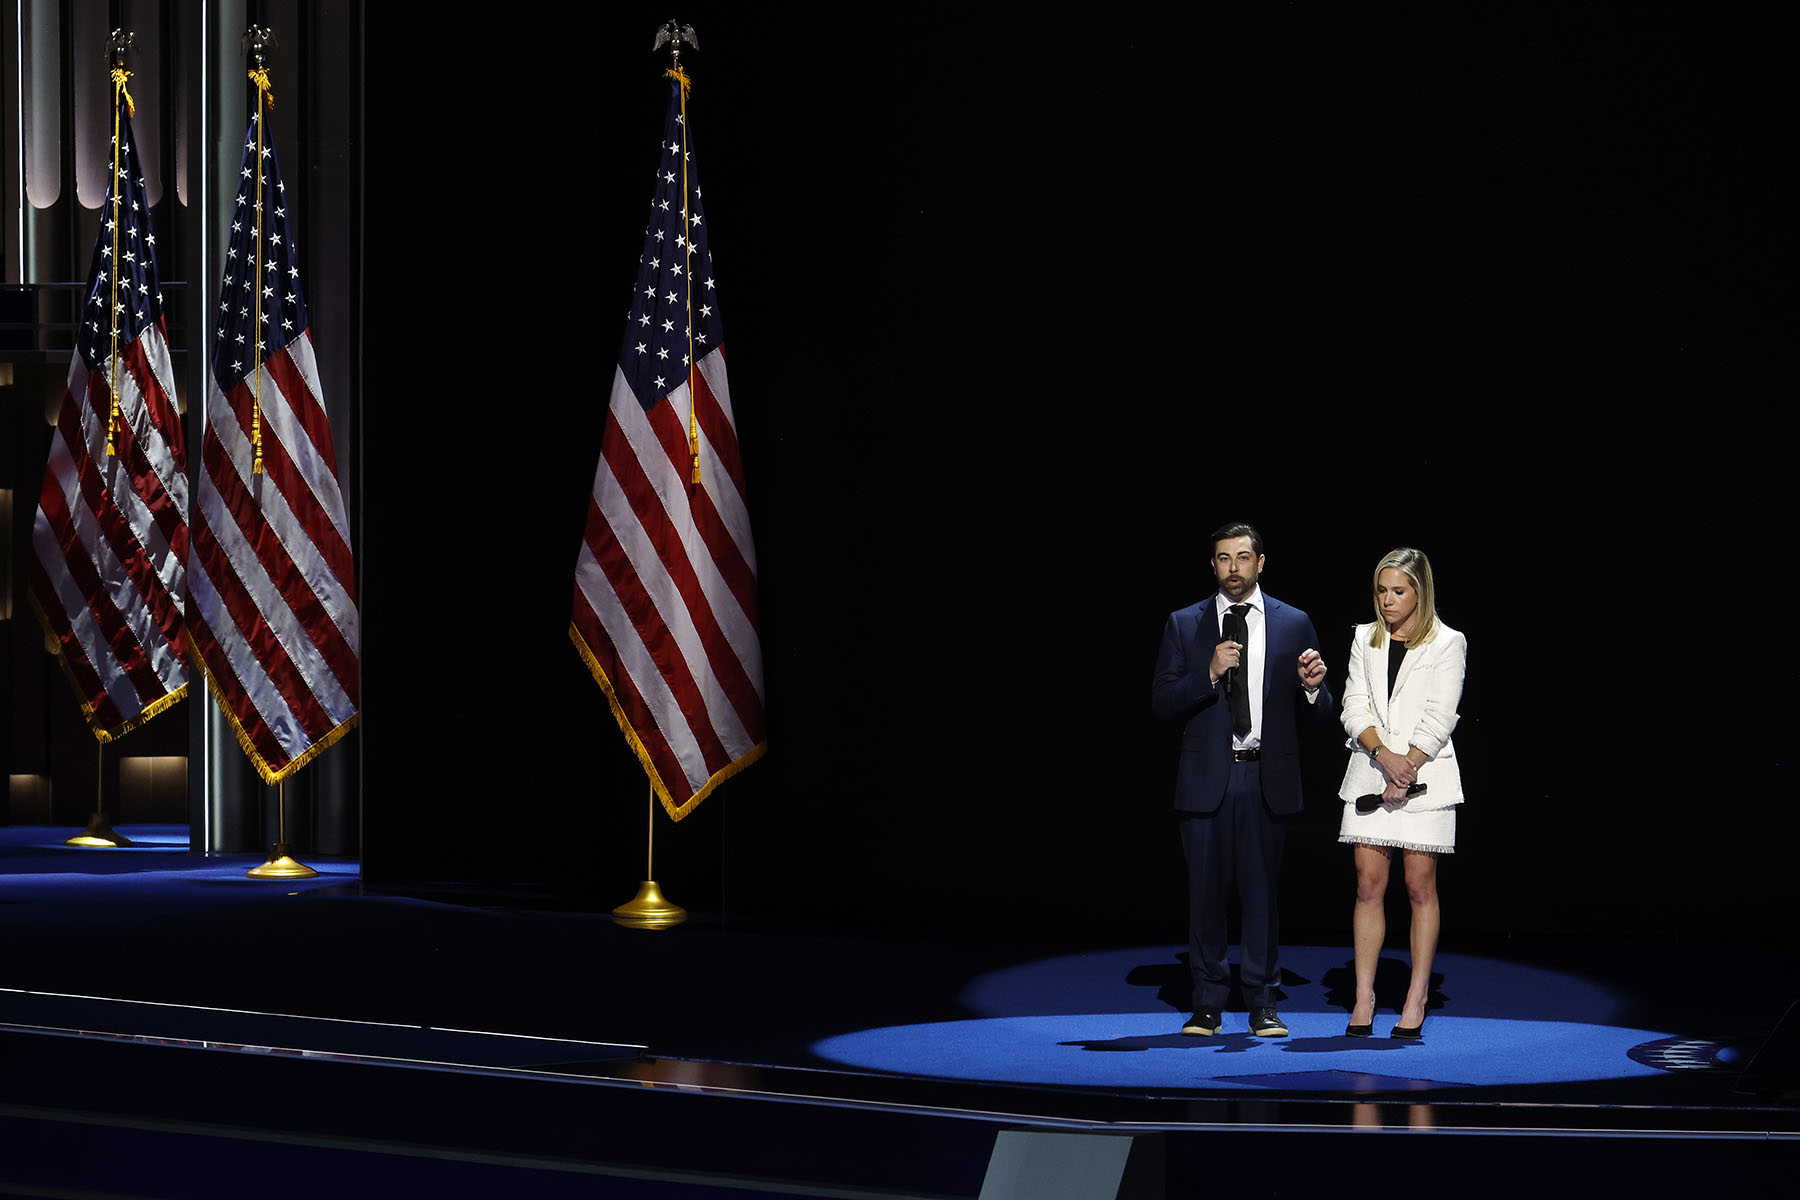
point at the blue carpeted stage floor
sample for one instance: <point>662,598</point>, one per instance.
<point>148,989</point>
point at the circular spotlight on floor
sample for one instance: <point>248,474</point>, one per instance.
<point>1112,1018</point>
<point>1142,1051</point>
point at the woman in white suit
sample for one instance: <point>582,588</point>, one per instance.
<point>1406,677</point>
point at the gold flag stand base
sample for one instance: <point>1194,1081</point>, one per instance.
<point>99,833</point>
<point>648,909</point>
<point>281,865</point>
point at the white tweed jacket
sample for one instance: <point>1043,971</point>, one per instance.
<point>1421,712</point>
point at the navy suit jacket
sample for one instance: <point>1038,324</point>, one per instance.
<point>1182,691</point>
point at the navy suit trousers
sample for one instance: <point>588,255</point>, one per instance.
<point>1237,847</point>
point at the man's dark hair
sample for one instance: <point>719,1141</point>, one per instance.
<point>1237,529</point>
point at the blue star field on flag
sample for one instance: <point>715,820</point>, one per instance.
<point>237,352</point>
<point>139,300</point>
<point>654,356</point>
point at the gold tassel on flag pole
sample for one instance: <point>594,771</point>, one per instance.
<point>648,909</point>
<point>99,832</point>
<point>281,864</point>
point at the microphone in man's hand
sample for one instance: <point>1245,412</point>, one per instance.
<point>1371,802</point>
<point>1237,630</point>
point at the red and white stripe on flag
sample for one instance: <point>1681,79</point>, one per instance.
<point>110,535</point>
<point>665,590</point>
<point>274,618</point>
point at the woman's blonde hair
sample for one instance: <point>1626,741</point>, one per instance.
<point>1417,568</point>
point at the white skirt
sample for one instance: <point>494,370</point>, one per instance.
<point>1434,829</point>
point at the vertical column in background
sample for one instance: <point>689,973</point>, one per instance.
<point>224,794</point>
<point>34,137</point>
<point>331,42</point>
<point>90,117</point>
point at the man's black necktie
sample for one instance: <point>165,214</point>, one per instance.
<point>1237,680</point>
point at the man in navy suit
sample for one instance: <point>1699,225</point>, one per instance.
<point>1241,671</point>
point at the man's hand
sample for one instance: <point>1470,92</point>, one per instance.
<point>1312,669</point>
<point>1226,655</point>
<point>1398,768</point>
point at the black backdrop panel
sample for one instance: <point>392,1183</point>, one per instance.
<point>1015,317</point>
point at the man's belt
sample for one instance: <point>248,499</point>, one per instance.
<point>1250,755</point>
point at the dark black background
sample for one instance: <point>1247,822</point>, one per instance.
<point>1017,311</point>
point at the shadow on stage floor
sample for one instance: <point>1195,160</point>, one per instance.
<point>171,1028</point>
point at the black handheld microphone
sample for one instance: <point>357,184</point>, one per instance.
<point>1237,629</point>
<point>1372,801</point>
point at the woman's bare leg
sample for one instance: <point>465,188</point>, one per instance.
<point>1368,925</point>
<point>1421,889</point>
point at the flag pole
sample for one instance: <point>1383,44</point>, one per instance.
<point>674,33</point>
<point>99,832</point>
<point>648,909</point>
<point>118,46</point>
<point>257,41</point>
<point>281,864</point>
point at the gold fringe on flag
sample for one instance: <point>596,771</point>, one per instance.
<point>675,811</point>
<point>101,733</point>
<point>269,773</point>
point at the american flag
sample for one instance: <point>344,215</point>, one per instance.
<point>665,584</point>
<point>111,533</point>
<point>274,618</point>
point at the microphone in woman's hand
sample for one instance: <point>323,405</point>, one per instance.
<point>1371,802</point>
